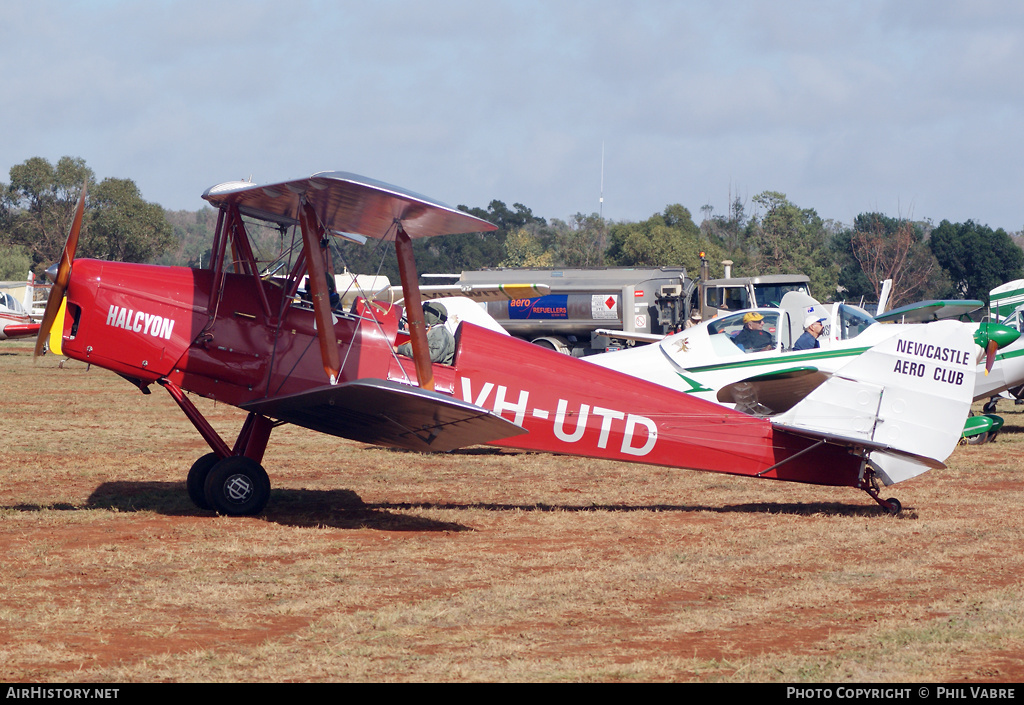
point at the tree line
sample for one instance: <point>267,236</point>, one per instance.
<point>773,236</point>
<point>37,207</point>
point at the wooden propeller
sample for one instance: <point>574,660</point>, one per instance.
<point>990,355</point>
<point>60,283</point>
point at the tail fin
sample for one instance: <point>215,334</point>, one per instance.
<point>29,292</point>
<point>903,402</point>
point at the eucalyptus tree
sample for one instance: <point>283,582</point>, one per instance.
<point>976,257</point>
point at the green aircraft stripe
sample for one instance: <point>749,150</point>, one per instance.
<point>804,357</point>
<point>695,386</point>
<point>1009,355</point>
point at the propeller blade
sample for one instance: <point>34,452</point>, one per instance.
<point>60,282</point>
<point>990,355</point>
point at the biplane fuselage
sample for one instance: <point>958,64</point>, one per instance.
<point>232,334</point>
<point>155,324</point>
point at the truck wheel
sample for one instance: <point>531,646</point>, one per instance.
<point>553,342</point>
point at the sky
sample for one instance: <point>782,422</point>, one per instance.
<point>912,108</point>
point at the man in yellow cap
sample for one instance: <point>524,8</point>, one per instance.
<point>753,337</point>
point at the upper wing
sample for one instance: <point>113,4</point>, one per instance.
<point>347,203</point>
<point>638,337</point>
<point>386,413</point>
<point>485,292</point>
<point>924,311</point>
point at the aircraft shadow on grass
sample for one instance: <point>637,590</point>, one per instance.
<point>345,509</point>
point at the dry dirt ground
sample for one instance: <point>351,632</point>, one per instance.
<point>481,565</point>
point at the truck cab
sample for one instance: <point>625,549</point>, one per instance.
<point>722,296</point>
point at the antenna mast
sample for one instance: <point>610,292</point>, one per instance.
<point>601,202</point>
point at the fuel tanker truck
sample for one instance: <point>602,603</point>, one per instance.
<point>630,300</point>
<point>606,308</point>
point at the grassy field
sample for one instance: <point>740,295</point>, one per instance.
<point>480,565</point>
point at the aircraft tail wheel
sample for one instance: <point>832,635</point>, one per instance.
<point>237,486</point>
<point>893,506</point>
<point>196,481</point>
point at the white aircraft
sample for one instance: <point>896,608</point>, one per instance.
<point>1006,298</point>
<point>1006,304</point>
<point>16,319</point>
<point>872,367</point>
<point>1007,373</point>
<point>706,361</point>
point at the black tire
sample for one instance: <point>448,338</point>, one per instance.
<point>990,407</point>
<point>196,481</point>
<point>977,440</point>
<point>894,507</point>
<point>238,486</point>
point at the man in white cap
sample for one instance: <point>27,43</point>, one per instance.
<point>812,329</point>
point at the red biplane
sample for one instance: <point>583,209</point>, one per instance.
<point>236,335</point>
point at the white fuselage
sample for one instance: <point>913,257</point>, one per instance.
<point>704,359</point>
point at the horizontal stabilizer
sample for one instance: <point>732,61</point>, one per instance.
<point>904,400</point>
<point>386,413</point>
<point>862,444</point>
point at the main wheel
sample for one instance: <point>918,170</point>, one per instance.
<point>196,481</point>
<point>894,507</point>
<point>237,486</point>
<point>977,440</point>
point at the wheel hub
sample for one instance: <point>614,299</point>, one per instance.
<point>238,488</point>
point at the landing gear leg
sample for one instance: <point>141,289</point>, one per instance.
<point>870,484</point>
<point>228,480</point>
